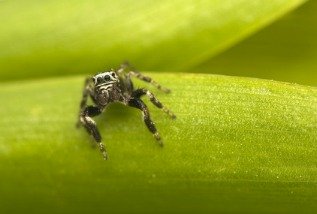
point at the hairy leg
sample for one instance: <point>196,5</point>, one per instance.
<point>83,102</point>
<point>142,91</point>
<point>137,103</point>
<point>132,72</point>
<point>149,80</point>
<point>91,127</point>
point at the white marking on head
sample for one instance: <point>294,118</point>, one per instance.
<point>109,76</point>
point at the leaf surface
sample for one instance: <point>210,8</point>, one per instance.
<point>238,144</point>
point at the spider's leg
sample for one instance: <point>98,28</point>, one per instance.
<point>91,127</point>
<point>149,80</point>
<point>142,91</point>
<point>137,103</point>
<point>124,66</point>
<point>83,102</point>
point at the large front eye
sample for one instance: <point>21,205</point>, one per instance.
<point>99,80</point>
<point>107,77</point>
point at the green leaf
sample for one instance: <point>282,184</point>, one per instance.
<point>286,50</point>
<point>238,144</point>
<point>44,38</point>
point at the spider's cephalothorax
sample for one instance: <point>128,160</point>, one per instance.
<point>116,86</point>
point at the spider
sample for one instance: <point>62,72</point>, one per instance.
<point>116,86</point>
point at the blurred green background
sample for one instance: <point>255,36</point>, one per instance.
<point>49,38</point>
<point>285,51</point>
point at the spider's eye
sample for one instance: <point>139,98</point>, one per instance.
<point>99,80</point>
<point>107,77</point>
<point>113,74</point>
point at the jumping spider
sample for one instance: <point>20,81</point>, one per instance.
<point>116,86</point>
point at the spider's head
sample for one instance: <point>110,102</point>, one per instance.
<point>105,78</point>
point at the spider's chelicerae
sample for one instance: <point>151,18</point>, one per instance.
<point>116,86</point>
